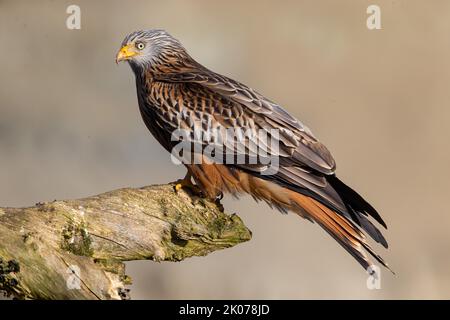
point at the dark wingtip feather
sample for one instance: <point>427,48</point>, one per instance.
<point>352,198</point>
<point>371,230</point>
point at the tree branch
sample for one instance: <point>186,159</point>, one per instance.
<point>76,249</point>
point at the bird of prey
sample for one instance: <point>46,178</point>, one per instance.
<point>174,92</point>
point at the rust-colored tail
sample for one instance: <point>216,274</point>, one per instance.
<point>345,231</point>
<point>342,230</point>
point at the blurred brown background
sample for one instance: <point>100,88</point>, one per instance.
<point>70,127</point>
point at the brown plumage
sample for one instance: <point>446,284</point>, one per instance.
<point>175,92</point>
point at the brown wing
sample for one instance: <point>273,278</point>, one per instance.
<point>190,106</point>
<point>297,141</point>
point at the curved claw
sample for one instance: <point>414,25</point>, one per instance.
<point>219,205</point>
<point>219,196</point>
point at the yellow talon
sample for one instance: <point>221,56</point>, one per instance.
<point>186,183</point>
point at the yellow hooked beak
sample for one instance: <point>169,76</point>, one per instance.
<point>125,53</point>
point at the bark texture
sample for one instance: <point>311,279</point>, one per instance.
<point>76,249</point>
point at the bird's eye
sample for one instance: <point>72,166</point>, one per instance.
<point>140,45</point>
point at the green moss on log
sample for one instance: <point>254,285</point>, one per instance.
<point>76,239</point>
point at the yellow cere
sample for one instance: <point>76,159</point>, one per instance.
<point>125,53</point>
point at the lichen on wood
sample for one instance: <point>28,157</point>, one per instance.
<point>76,249</point>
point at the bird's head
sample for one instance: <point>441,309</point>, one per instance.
<point>151,48</point>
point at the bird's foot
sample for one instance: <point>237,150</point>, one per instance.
<point>218,203</point>
<point>186,183</point>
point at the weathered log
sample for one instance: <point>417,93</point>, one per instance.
<point>76,249</point>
